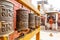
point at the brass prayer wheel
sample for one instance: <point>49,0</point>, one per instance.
<point>36,21</point>
<point>22,19</point>
<point>6,17</point>
<point>31,21</point>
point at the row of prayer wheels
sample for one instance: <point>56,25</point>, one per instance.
<point>26,20</point>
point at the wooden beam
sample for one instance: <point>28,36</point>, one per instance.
<point>30,6</point>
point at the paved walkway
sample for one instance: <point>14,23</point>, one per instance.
<point>45,35</point>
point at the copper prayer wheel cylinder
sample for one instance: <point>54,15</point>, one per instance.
<point>6,17</point>
<point>36,21</point>
<point>22,19</point>
<point>31,21</point>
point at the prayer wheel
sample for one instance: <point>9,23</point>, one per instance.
<point>22,19</point>
<point>31,21</point>
<point>6,17</point>
<point>36,21</point>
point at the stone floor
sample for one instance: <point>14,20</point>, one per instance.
<point>45,35</point>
